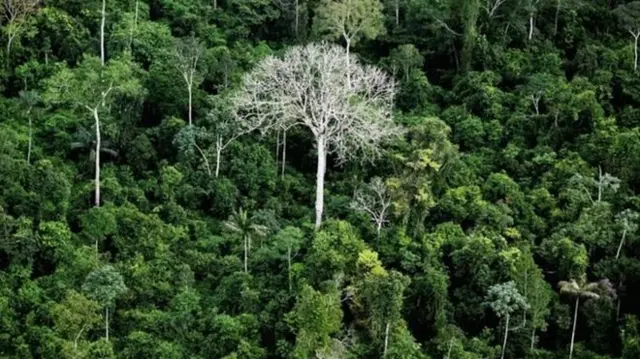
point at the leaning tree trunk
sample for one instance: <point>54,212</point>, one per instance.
<point>450,348</point>
<point>9,42</point>
<point>573,331</point>
<point>624,234</point>
<point>530,26</point>
<point>322,167</point>
<point>506,333</point>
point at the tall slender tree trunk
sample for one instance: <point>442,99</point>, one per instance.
<point>190,89</point>
<point>348,61</point>
<point>573,331</point>
<point>30,137</point>
<point>284,152</point>
<point>506,333</point>
<point>215,4</point>
<point>530,26</point>
<point>104,15</point>
<point>624,234</point>
<point>97,159</point>
<point>106,323</point>
<point>322,167</point>
<point>218,156</point>
<point>635,51</point>
<point>386,339</point>
<point>277,150</point>
<point>533,337</point>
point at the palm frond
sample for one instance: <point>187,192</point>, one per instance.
<point>570,287</point>
<point>109,151</point>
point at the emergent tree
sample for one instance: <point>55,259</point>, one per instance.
<point>308,87</point>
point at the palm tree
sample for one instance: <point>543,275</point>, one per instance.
<point>240,222</point>
<point>584,290</point>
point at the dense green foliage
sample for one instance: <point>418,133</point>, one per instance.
<point>138,221</point>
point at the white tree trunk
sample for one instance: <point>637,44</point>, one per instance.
<point>386,340</point>
<point>104,15</point>
<point>218,156</point>
<point>284,152</point>
<point>277,149</point>
<point>30,139</point>
<point>97,159</point>
<point>106,323</point>
<point>530,26</point>
<point>506,333</point>
<point>533,337</point>
<point>190,89</point>
<point>204,158</point>
<point>450,348</point>
<point>322,167</point>
<point>9,42</point>
<point>635,51</point>
<point>348,62</point>
<point>624,234</point>
<point>75,340</point>
<point>573,331</point>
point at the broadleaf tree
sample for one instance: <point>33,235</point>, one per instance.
<point>308,87</point>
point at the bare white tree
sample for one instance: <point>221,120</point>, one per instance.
<point>186,53</point>
<point>15,13</point>
<point>374,200</point>
<point>308,87</point>
<point>226,129</point>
